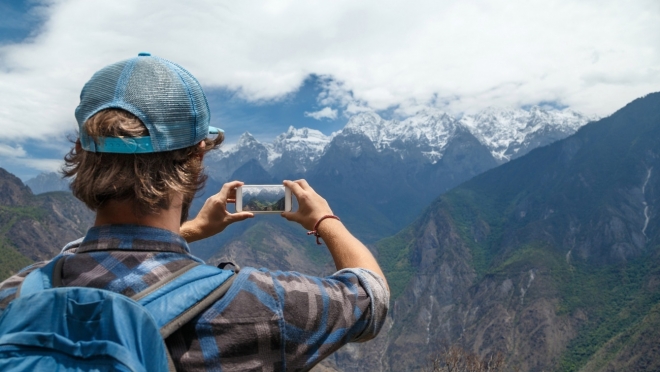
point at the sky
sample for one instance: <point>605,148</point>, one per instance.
<point>266,65</point>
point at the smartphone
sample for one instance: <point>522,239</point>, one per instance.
<point>263,199</point>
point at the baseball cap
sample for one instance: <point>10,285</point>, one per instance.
<point>167,99</point>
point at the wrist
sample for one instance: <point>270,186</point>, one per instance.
<point>327,223</point>
<point>322,222</point>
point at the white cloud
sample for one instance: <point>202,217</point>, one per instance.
<point>593,56</point>
<point>43,165</point>
<point>334,93</point>
<point>354,108</point>
<point>27,164</point>
<point>324,113</point>
<point>17,159</point>
<point>11,151</point>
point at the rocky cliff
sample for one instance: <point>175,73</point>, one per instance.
<point>34,228</point>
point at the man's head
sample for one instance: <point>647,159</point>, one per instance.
<point>143,128</point>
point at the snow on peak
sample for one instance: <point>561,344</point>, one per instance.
<point>432,127</point>
<point>429,130</point>
<point>246,144</point>
<point>506,131</point>
<point>247,140</point>
<point>367,123</point>
<point>304,142</point>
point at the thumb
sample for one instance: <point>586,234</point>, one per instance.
<point>240,216</point>
<point>290,216</point>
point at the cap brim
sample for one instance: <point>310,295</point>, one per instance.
<point>214,130</point>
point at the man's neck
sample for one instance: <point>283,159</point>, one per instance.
<point>122,213</point>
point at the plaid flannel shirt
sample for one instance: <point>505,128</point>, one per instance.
<point>267,321</point>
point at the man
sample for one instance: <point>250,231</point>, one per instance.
<point>143,132</point>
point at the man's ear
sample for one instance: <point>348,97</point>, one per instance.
<point>202,146</point>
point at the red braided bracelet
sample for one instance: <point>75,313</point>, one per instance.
<point>316,226</point>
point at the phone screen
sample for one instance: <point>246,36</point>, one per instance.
<point>268,198</point>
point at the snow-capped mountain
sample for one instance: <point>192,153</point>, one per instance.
<point>292,152</point>
<point>510,133</point>
<point>429,131</point>
<point>507,133</point>
<point>306,141</point>
<point>224,162</point>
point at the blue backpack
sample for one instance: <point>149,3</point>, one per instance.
<point>53,328</point>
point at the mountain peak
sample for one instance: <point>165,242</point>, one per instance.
<point>506,132</point>
<point>301,133</point>
<point>46,182</point>
<point>12,190</point>
<point>304,144</point>
<point>246,140</point>
<point>510,133</point>
<point>431,112</point>
<point>368,123</point>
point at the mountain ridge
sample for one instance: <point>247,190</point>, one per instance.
<point>508,133</point>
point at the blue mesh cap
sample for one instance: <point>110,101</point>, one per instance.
<point>163,95</point>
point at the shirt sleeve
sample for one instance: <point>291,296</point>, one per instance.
<point>282,320</point>
<point>322,314</point>
<point>9,287</point>
<point>379,300</point>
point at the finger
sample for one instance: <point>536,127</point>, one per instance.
<point>294,186</point>
<point>303,183</point>
<point>231,201</point>
<point>227,187</point>
<point>232,185</point>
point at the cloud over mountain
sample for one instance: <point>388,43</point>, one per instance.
<point>324,113</point>
<point>457,56</point>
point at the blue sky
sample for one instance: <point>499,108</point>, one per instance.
<point>16,22</point>
<point>266,119</point>
<point>268,65</point>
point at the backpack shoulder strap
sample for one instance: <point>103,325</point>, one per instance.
<point>177,299</point>
<point>42,278</point>
<point>173,301</point>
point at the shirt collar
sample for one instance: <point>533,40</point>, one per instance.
<point>134,238</point>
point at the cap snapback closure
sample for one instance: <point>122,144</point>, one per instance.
<point>133,145</point>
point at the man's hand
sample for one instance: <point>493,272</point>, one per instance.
<point>345,249</point>
<point>214,217</point>
<point>311,206</point>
